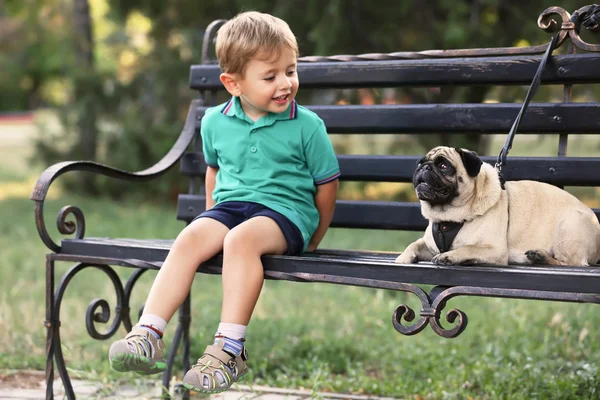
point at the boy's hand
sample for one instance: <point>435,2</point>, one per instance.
<point>311,247</point>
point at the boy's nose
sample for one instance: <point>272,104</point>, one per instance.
<point>286,83</point>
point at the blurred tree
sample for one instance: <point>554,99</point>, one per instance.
<point>32,52</point>
<point>84,82</point>
<point>140,95</point>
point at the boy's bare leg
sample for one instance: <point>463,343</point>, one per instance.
<point>224,362</point>
<point>142,349</point>
<point>198,242</point>
<point>243,274</point>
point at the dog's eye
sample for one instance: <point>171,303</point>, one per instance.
<point>443,165</point>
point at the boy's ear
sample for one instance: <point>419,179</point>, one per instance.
<point>230,81</point>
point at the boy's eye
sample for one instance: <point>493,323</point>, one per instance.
<point>269,78</point>
<point>291,73</point>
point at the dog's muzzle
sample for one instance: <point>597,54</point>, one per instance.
<point>431,186</point>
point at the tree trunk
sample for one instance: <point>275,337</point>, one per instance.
<point>84,79</point>
<point>84,72</point>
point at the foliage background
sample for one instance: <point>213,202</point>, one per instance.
<point>122,92</point>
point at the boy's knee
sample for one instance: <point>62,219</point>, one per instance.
<point>191,233</point>
<point>237,241</point>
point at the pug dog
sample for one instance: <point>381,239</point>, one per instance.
<point>474,218</point>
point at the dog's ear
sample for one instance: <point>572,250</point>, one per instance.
<point>471,161</point>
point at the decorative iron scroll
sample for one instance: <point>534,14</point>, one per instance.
<point>587,17</point>
<point>432,304</point>
<point>92,316</point>
<point>65,227</point>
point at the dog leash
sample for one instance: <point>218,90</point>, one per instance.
<point>534,85</point>
<point>589,19</point>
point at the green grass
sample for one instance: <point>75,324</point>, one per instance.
<point>316,336</point>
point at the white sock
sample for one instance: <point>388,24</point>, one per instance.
<point>153,320</point>
<point>232,331</point>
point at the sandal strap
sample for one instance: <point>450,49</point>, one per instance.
<point>218,353</point>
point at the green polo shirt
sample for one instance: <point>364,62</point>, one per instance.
<point>277,161</point>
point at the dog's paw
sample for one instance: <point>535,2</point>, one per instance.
<point>535,257</point>
<point>542,257</point>
<point>406,258</point>
<point>443,259</point>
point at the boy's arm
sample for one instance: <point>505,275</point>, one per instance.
<point>209,183</point>
<point>325,203</point>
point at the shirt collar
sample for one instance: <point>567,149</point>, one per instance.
<point>233,108</point>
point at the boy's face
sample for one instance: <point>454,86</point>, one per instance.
<point>268,84</point>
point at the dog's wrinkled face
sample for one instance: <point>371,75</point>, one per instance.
<point>441,176</point>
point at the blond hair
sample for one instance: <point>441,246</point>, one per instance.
<point>250,34</point>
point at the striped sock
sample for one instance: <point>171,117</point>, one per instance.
<point>232,346</point>
<point>234,336</point>
<point>154,330</point>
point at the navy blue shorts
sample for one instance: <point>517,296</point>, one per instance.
<point>233,213</point>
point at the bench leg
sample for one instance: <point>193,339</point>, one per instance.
<point>185,318</point>
<point>183,331</point>
<point>53,346</point>
<point>49,324</point>
<point>97,311</point>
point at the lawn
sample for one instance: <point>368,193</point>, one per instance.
<point>316,336</point>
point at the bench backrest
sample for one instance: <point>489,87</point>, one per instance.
<point>379,71</point>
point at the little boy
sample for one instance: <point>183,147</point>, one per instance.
<point>271,184</point>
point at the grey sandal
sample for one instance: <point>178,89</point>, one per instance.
<point>139,352</point>
<point>216,370</point>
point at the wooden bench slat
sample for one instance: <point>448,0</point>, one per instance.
<point>383,215</point>
<point>348,213</point>
<point>363,214</point>
<point>458,118</point>
<point>390,215</point>
<point>561,171</point>
<point>509,70</point>
<point>366,265</point>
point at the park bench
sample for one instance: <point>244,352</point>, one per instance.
<point>452,68</point>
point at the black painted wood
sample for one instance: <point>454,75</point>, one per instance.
<point>458,118</point>
<point>389,215</point>
<point>561,171</point>
<point>368,265</point>
<point>508,70</point>
<point>361,214</point>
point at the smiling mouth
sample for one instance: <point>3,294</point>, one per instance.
<point>281,98</point>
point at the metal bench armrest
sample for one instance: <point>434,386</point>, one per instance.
<point>43,183</point>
